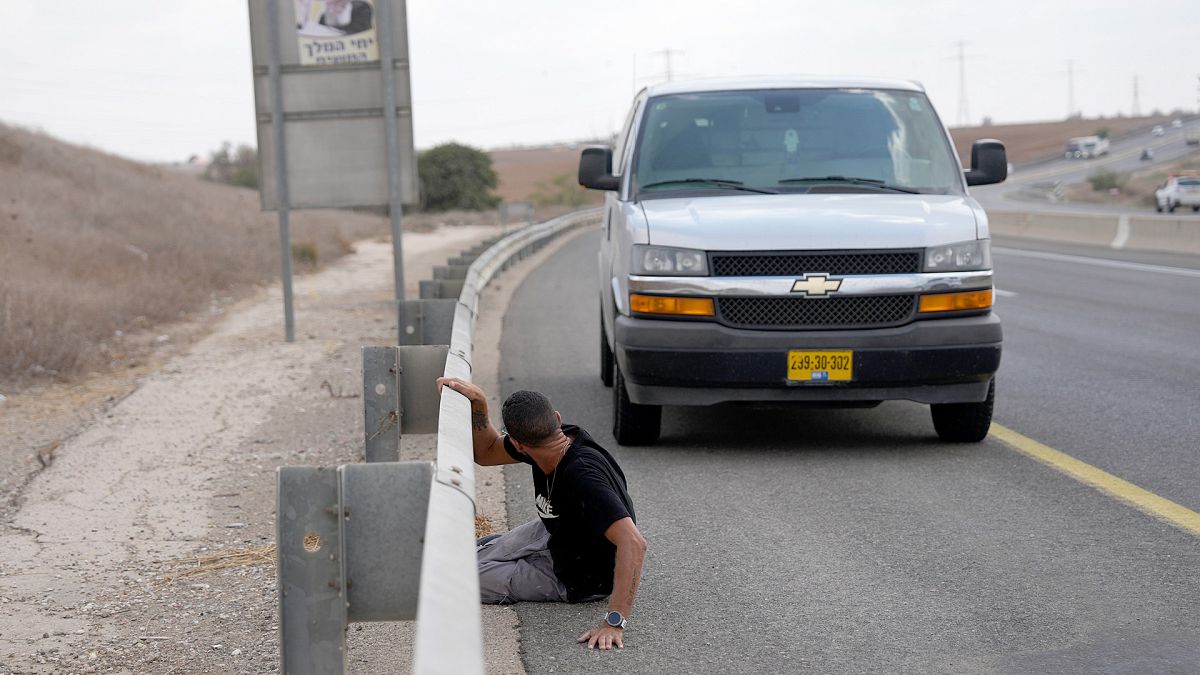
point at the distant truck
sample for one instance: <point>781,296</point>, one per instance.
<point>1192,136</point>
<point>1086,147</point>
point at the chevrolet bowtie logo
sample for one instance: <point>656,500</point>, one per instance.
<point>816,285</point>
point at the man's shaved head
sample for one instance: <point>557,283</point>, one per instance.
<point>528,417</point>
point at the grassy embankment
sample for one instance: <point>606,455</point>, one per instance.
<point>96,250</point>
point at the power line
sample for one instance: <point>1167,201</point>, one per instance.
<point>964,114</point>
<point>667,55</point>
<point>1137,105</point>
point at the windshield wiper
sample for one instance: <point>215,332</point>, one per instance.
<point>719,182</point>
<point>871,182</point>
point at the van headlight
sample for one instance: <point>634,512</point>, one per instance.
<point>961,257</point>
<point>665,261</point>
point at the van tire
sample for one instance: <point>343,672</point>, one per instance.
<point>606,357</point>
<point>964,422</point>
<point>633,424</point>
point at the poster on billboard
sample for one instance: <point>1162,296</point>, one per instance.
<point>336,32</point>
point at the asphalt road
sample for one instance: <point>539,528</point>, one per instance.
<point>786,540</point>
<point>1124,157</point>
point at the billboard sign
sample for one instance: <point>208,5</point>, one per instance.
<point>334,108</point>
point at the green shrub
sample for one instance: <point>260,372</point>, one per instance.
<point>562,190</point>
<point>1103,180</point>
<point>304,253</point>
<point>456,176</point>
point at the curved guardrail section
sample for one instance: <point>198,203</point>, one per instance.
<point>449,635</point>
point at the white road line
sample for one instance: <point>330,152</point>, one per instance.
<point>1006,294</point>
<point>1099,262</point>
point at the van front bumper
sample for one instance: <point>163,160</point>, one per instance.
<point>946,360</point>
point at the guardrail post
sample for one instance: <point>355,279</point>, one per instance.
<point>420,366</point>
<point>440,288</point>
<point>381,403</point>
<point>426,322</point>
<point>312,601</point>
<point>450,271</point>
<point>350,546</point>
<point>384,508</point>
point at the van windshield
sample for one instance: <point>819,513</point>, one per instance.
<point>794,140</point>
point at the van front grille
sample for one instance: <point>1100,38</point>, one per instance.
<point>799,263</point>
<point>798,313</point>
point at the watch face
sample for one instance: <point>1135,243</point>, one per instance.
<point>613,618</point>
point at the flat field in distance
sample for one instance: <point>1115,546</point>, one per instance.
<point>523,172</point>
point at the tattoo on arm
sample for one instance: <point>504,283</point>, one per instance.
<point>479,420</point>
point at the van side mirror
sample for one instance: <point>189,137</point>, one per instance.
<point>989,163</point>
<point>595,169</point>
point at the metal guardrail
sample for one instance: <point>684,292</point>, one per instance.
<point>391,540</point>
<point>449,635</point>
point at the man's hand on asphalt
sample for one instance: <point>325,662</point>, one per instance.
<point>604,637</point>
<point>472,392</point>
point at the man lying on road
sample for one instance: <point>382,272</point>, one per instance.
<point>584,545</point>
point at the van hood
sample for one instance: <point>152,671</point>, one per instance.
<point>808,221</point>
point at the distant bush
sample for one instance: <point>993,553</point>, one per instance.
<point>1103,180</point>
<point>562,190</point>
<point>304,253</point>
<point>1104,132</point>
<point>233,167</point>
<point>456,176</point>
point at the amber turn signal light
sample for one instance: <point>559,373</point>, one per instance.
<point>956,302</point>
<point>658,304</point>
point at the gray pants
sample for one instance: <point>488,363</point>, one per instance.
<point>516,567</point>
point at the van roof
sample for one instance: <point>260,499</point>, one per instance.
<point>780,82</point>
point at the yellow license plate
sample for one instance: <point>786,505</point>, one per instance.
<point>823,366</point>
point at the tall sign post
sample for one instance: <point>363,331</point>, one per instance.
<point>333,107</point>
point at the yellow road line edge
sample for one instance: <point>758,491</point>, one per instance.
<point>1144,500</point>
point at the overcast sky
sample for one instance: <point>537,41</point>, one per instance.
<point>161,80</point>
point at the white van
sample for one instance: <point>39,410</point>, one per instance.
<point>794,240</point>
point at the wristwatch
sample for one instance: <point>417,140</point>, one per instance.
<point>615,619</point>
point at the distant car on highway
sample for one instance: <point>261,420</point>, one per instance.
<point>1178,191</point>
<point>808,241</point>
<point>1086,147</point>
<point>1192,136</point>
<point>1147,155</point>
<point>1158,130</point>
<point>1176,123</point>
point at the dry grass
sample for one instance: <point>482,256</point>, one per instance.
<point>200,565</point>
<point>483,526</point>
<point>94,248</point>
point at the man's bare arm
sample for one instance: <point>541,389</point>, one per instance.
<point>631,552</point>
<point>486,443</point>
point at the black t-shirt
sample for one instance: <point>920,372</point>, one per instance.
<point>577,502</point>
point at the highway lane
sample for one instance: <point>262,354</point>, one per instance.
<point>788,540</point>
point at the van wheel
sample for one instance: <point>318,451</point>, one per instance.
<point>633,424</point>
<point>1170,207</point>
<point>606,357</point>
<point>964,422</point>
<point>1195,209</point>
<point>1158,207</point>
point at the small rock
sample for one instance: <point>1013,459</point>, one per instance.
<point>236,652</point>
<point>162,338</point>
<point>235,526</point>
